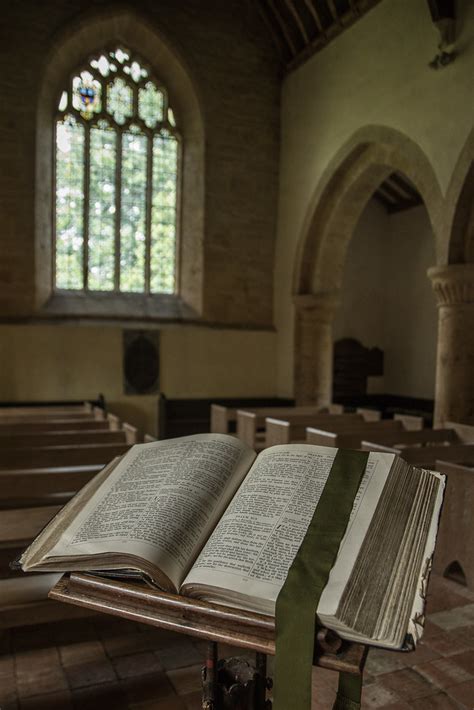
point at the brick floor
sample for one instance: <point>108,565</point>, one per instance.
<point>103,662</point>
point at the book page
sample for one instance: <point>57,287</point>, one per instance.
<point>256,540</point>
<point>161,502</point>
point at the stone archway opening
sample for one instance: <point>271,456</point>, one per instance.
<point>349,182</point>
<point>387,305</point>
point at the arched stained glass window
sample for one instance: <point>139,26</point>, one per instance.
<point>116,180</point>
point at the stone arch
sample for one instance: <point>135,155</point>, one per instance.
<point>459,221</point>
<point>88,33</point>
<point>346,186</point>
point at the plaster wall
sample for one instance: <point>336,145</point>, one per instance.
<point>375,73</point>
<point>387,300</point>
<point>74,362</point>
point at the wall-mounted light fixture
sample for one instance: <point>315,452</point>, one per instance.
<point>443,15</point>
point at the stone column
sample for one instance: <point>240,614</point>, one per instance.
<point>314,316</point>
<point>454,395</point>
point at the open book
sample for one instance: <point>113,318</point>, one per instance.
<point>206,517</point>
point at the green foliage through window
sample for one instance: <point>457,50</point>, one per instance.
<point>117,162</point>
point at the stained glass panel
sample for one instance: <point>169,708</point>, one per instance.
<point>150,105</point>
<point>69,203</point>
<point>130,99</point>
<point>102,208</point>
<point>120,100</point>
<point>133,212</point>
<point>63,101</point>
<point>163,219</point>
<point>102,64</point>
<point>86,95</point>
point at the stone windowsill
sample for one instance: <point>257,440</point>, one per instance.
<point>116,307</point>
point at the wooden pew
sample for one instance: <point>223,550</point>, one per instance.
<point>52,425</point>
<point>370,415</point>
<point>401,438</point>
<point>224,419</point>
<point>65,438</point>
<point>293,430</point>
<point>454,554</point>
<point>426,456</point>
<point>251,423</point>
<point>36,471</point>
<point>58,456</point>
<point>20,488</point>
<point>23,598</point>
<point>409,421</point>
<point>465,432</point>
<point>53,409</point>
<point>350,437</point>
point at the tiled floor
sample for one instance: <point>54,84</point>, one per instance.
<point>111,664</point>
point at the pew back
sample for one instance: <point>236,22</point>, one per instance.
<point>351,437</point>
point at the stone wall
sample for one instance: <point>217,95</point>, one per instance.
<point>233,66</point>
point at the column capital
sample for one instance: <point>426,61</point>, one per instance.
<point>320,306</point>
<point>453,284</point>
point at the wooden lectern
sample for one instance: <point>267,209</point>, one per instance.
<point>233,684</point>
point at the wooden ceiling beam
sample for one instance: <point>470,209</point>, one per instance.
<point>391,192</point>
<point>283,27</point>
<point>291,7</point>
<point>383,200</point>
<point>315,15</point>
<point>354,7</point>
<point>405,186</point>
<point>333,11</point>
<point>276,37</point>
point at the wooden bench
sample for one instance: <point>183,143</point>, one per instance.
<point>454,554</point>
<point>252,423</point>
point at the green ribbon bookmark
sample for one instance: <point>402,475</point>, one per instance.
<point>298,600</point>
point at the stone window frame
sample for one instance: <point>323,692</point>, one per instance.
<point>69,49</point>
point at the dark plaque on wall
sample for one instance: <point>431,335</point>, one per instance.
<point>141,361</point>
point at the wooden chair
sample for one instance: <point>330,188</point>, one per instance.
<point>454,555</point>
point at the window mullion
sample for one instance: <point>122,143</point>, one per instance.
<point>118,208</point>
<point>149,198</point>
<point>87,174</point>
